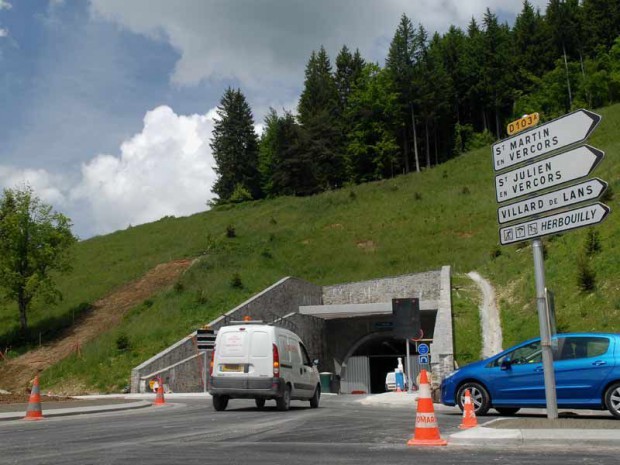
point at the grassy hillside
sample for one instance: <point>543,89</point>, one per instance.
<point>442,216</point>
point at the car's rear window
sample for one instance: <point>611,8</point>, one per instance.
<point>582,347</point>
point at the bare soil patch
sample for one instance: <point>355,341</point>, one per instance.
<point>16,374</point>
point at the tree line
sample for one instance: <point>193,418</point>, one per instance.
<point>433,99</point>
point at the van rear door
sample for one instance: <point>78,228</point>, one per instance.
<point>261,354</point>
<point>232,352</point>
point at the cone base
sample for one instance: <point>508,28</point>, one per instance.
<point>159,404</point>
<point>427,442</point>
<point>33,418</point>
<point>467,426</point>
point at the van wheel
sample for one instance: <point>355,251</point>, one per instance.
<point>283,403</point>
<point>314,400</point>
<point>260,403</point>
<point>220,402</point>
<point>612,399</point>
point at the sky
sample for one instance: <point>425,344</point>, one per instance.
<point>107,106</point>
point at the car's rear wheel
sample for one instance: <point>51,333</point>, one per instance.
<point>479,397</point>
<point>220,402</point>
<point>507,410</point>
<point>260,403</point>
<point>283,403</point>
<point>314,400</point>
<point>612,399</point>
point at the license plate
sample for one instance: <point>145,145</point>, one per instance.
<point>233,368</point>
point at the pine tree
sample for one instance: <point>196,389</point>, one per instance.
<point>235,148</point>
<point>399,64</point>
<point>318,114</point>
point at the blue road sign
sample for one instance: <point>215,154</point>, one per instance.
<point>423,359</point>
<point>423,349</point>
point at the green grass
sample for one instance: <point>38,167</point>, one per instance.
<point>414,223</point>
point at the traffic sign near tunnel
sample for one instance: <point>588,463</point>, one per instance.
<point>560,133</point>
<point>553,224</point>
<point>587,190</point>
<point>553,171</point>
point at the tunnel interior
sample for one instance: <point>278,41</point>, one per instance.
<point>383,356</point>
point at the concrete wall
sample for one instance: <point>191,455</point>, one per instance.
<point>277,301</point>
<point>442,348</point>
<point>425,286</point>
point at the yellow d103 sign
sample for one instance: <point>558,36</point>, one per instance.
<point>527,121</point>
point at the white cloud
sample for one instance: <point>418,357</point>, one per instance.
<point>164,170</point>
<point>4,5</point>
<point>3,32</point>
<point>270,41</point>
<point>46,185</point>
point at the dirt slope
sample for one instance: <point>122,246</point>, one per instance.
<point>16,374</point>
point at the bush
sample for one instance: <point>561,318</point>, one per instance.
<point>586,277</point>
<point>593,242</point>
<point>123,344</point>
<point>230,231</point>
<point>235,281</point>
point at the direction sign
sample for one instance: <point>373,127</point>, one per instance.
<point>552,171</point>
<point>553,224</point>
<point>423,359</point>
<point>554,135</point>
<point>588,190</point>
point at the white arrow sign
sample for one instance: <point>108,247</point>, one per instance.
<point>553,224</point>
<point>554,135</point>
<point>550,172</point>
<point>587,190</point>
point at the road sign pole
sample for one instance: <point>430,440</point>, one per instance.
<point>545,335</point>
<point>409,378</point>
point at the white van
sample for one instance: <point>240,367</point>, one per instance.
<point>252,360</point>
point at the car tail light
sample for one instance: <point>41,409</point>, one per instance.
<point>211,362</point>
<point>276,362</point>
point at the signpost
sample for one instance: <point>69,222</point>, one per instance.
<point>588,190</point>
<point>552,171</point>
<point>527,149</point>
<point>553,224</point>
<point>560,133</point>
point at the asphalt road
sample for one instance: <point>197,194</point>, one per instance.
<point>342,431</point>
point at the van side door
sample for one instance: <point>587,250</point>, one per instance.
<point>307,373</point>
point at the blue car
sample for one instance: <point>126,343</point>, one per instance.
<point>587,376</point>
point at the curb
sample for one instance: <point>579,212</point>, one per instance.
<point>481,436</point>
<point>79,410</point>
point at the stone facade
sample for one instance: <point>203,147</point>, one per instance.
<point>182,366</point>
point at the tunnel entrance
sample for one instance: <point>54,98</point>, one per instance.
<point>382,355</point>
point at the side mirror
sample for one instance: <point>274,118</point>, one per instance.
<point>506,364</point>
<point>315,362</point>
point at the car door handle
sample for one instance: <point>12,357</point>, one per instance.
<point>599,363</point>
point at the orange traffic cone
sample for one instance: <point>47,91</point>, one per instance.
<point>426,429</point>
<point>469,415</point>
<point>159,397</point>
<point>33,412</point>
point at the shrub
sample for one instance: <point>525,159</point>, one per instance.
<point>235,281</point>
<point>593,242</point>
<point>179,287</point>
<point>586,277</point>
<point>230,231</point>
<point>417,196</point>
<point>123,344</point>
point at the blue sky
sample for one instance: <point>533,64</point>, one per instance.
<point>107,106</point>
